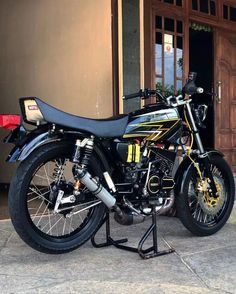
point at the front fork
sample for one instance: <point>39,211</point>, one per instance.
<point>203,156</point>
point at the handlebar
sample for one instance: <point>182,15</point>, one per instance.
<point>144,94</point>
<point>130,96</point>
<point>190,88</point>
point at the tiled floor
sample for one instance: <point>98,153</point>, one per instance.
<point>198,266</point>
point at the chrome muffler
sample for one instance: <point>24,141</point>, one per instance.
<point>96,188</point>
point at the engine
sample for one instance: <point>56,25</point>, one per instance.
<point>146,183</point>
<point>151,177</point>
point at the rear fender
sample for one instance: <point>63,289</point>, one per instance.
<point>183,170</point>
<point>20,153</point>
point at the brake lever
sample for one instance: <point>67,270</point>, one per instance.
<point>211,93</point>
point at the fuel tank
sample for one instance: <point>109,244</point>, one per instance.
<point>154,123</point>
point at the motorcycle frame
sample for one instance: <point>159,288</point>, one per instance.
<point>42,135</point>
<point>45,134</point>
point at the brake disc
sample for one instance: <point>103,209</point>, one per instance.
<point>209,204</point>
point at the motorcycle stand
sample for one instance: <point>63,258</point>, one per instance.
<point>143,253</point>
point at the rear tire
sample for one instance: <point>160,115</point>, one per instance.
<point>31,231</point>
<point>198,216</point>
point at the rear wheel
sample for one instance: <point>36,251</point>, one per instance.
<point>201,213</point>
<point>33,194</point>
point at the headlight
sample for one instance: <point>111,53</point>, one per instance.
<point>199,113</point>
<point>202,111</point>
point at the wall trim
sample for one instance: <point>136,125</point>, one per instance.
<point>120,55</point>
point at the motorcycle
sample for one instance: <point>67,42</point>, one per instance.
<point>74,171</point>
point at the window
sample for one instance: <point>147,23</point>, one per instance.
<point>168,58</point>
<point>174,2</point>
<point>229,12</point>
<point>205,6</point>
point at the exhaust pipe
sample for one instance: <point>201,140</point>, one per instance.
<point>129,215</point>
<point>169,204</point>
<point>96,188</point>
<point>126,216</point>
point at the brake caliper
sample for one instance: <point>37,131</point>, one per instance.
<point>210,205</point>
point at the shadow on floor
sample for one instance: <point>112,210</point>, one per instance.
<point>4,214</point>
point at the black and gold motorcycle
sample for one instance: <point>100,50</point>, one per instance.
<point>75,171</point>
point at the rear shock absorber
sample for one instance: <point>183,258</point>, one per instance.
<point>88,149</point>
<point>76,156</point>
<point>83,176</point>
<point>81,159</point>
<point>87,144</point>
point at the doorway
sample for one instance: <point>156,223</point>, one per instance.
<point>201,60</point>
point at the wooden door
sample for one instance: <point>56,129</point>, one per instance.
<point>225,106</point>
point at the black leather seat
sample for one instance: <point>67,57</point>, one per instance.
<point>106,128</point>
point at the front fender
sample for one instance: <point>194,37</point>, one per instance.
<point>184,168</point>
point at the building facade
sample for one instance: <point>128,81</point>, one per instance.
<point>82,56</point>
<point>178,36</point>
<point>58,50</point>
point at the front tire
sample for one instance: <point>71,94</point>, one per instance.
<point>200,213</point>
<point>32,200</point>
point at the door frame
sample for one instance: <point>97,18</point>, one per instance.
<point>216,22</point>
<point>188,16</point>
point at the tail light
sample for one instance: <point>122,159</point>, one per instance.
<point>10,121</point>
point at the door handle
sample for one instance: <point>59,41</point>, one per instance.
<point>219,91</point>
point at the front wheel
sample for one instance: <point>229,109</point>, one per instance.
<point>33,195</point>
<point>199,211</point>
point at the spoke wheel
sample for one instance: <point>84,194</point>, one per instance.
<point>205,208</point>
<point>33,196</point>
<point>201,212</point>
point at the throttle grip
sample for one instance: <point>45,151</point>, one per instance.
<point>145,94</point>
<point>134,95</point>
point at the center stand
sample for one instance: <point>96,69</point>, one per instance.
<point>144,253</point>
